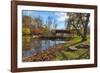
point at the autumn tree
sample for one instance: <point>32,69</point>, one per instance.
<point>78,22</point>
<point>37,25</point>
<point>46,30</point>
<point>26,24</point>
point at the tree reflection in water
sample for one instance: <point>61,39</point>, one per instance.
<point>31,46</point>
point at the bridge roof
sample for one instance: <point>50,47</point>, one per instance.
<point>62,31</point>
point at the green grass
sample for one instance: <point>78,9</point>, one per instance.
<point>81,53</point>
<point>70,55</point>
<point>76,38</point>
<point>88,39</point>
<point>58,56</point>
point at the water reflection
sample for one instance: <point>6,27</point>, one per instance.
<point>31,46</point>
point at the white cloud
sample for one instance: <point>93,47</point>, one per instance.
<point>61,16</point>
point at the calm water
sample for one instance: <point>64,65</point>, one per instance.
<point>31,46</point>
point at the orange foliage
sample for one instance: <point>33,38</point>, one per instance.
<point>37,31</point>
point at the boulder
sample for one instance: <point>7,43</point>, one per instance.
<point>72,48</point>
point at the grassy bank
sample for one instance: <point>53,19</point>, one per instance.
<point>80,53</point>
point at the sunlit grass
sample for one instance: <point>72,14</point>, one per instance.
<point>70,55</point>
<point>80,53</point>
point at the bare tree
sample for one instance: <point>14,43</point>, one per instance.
<point>79,23</point>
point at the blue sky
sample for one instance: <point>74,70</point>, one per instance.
<point>58,16</point>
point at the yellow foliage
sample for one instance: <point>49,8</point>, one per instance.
<point>26,30</point>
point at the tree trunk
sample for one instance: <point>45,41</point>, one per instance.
<point>85,28</point>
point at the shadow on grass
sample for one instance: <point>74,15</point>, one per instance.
<point>84,54</point>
